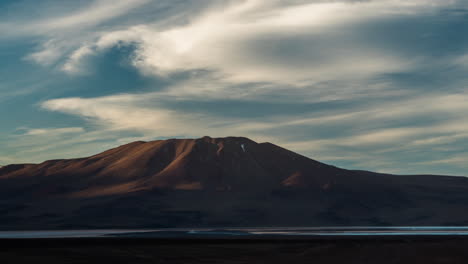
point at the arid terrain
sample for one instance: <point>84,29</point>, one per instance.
<point>426,250</point>
<point>218,182</point>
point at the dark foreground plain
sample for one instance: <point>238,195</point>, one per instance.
<point>382,250</point>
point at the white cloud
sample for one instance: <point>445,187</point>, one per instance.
<point>123,112</point>
<point>57,19</point>
<point>64,33</point>
<point>97,12</point>
<point>72,65</point>
<point>53,131</point>
<point>144,113</point>
<point>50,52</point>
<point>244,41</point>
<point>458,160</point>
<point>440,140</point>
<point>141,113</point>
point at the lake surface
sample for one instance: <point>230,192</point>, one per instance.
<point>241,232</point>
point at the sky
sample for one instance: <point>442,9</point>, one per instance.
<point>375,85</point>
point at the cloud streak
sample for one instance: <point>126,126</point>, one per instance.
<point>366,84</point>
<point>257,41</point>
<point>365,129</point>
<point>53,131</point>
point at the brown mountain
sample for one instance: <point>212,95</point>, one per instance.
<point>231,181</point>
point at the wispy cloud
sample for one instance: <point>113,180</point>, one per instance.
<point>62,33</point>
<point>458,160</point>
<point>128,112</point>
<point>61,19</point>
<point>257,41</point>
<point>370,129</point>
<point>371,84</point>
<point>250,41</point>
<point>97,12</point>
<point>53,131</point>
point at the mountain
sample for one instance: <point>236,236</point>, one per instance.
<point>217,182</point>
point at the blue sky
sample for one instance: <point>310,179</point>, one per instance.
<point>375,85</point>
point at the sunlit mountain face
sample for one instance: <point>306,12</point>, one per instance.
<point>219,183</point>
<point>371,85</point>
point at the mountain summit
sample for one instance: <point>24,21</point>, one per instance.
<point>222,164</point>
<point>230,181</point>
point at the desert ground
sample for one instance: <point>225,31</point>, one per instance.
<point>137,250</point>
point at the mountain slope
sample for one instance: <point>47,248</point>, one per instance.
<point>230,181</point>
<point>206,163</point>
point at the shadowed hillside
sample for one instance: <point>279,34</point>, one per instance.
<point>231,181</point>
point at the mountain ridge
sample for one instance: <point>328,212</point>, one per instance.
<point>227,181</point>
<point>163,163</point>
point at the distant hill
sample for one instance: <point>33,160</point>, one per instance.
<point>216,182</point>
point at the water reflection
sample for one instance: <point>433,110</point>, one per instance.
<point>251,232</point>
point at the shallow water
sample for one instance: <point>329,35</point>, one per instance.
<point>65,233</point>
<point>251,232</point>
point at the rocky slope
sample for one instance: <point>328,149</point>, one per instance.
<point>231,181</point>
